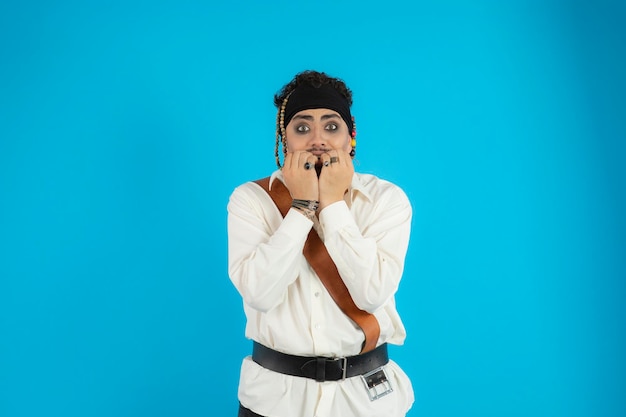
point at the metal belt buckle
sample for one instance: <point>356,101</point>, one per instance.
<point>344,366</point>
<point>376,383</point>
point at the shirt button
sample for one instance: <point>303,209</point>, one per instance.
<point>317,293</point>
<point>318,326</point>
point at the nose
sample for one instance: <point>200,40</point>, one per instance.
<point>317,138</point>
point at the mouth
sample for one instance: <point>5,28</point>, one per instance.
<point>317,151</point>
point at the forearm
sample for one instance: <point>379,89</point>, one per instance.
<point>371,261</point>
<point>263,258</point>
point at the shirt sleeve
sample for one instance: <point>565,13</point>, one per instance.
<point>369,247</point>
<point>264,250</point>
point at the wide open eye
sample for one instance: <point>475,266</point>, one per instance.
<point>331,126</point>
<point>302,128</point>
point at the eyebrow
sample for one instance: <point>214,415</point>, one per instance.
<point>308,117</point>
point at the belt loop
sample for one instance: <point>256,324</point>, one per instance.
<point>320,371</point>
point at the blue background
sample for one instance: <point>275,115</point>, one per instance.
<point>125,125</point>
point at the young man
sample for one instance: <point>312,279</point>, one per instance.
<point>317,252</point>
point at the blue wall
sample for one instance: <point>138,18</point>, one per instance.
<point>124,126</point>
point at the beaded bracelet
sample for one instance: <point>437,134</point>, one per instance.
<point>312,205</point>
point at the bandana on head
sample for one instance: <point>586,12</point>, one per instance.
<point>307,97</point>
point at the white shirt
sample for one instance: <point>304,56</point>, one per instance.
<point>288,308</point>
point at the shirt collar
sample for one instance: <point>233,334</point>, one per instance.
<point>356,188</point>
<point>277,174</point>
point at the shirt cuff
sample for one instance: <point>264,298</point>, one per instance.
<point>298,221</point>
<point>335,217</point>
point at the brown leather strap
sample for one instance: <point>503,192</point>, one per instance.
<point>318,257</point>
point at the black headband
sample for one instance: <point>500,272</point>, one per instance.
<point>306,97</point>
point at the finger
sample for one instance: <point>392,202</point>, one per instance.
<point>299,158</point>
<point>307,160</point>
<point>287,161</point>
<point>325,159</point>
<point>333,156</point>
<point>343,158</point>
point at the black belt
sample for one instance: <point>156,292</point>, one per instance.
<point>320,368</point>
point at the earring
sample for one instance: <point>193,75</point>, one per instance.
<point>353,140</point>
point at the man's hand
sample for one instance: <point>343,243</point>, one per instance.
<point>300,178</point>
<point>335,178</point>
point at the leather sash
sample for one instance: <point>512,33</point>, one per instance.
<point>318,257</point>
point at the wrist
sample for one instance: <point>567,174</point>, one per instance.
<point>311,205</point>
<point>306,207</point>
<point>325,202</point>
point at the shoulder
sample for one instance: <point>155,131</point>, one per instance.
<point>253,194</point>
<point>377,188</point>
<point>253,187</point>
<point>248,189</point>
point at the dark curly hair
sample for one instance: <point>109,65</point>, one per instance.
<point>311,78</point>
<point>314,79</point>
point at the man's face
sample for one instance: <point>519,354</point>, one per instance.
<point>317,131</point>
